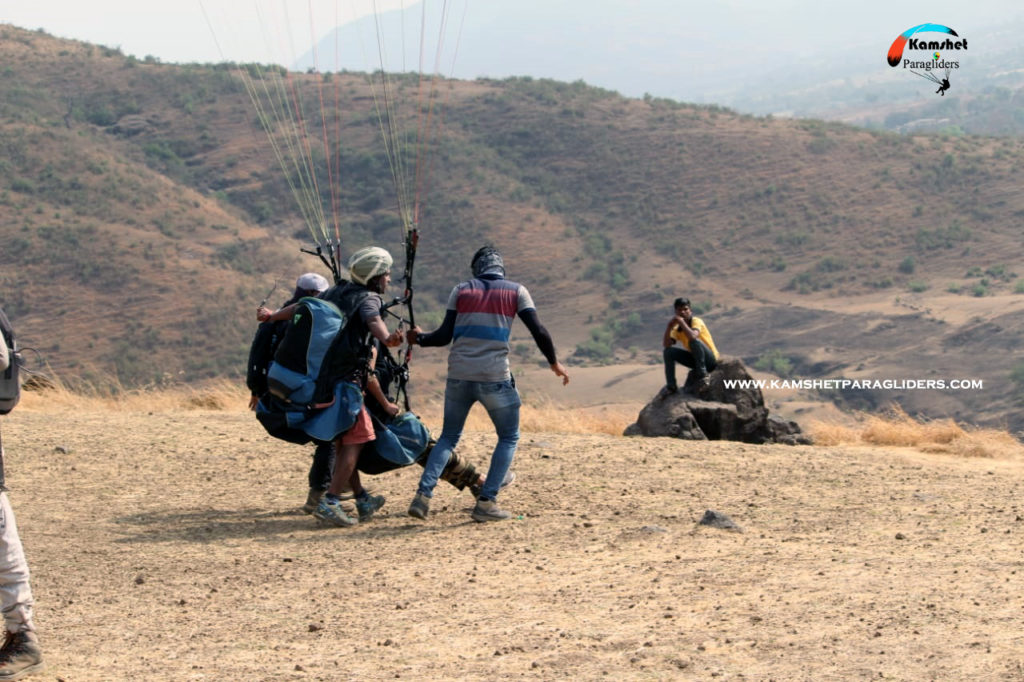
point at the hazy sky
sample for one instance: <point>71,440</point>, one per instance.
<point>180,30</point>
<point>185,30</point>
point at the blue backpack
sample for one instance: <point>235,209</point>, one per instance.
<point>305,401</point>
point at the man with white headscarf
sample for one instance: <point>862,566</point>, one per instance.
<point>477,324</point>
<point>361,302</point>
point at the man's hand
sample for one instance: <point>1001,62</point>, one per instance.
<point>559,370</point>
<point>263,313</point>
<point>413,334</point>
<point>253,401</point>
<point>392,409</point>
<point>394,339</point>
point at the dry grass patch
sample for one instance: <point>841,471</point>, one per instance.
<point>896,428</point>
<point>226,396</point>
<point>218,395</point>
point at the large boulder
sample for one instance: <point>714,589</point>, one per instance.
<point>736,412</point>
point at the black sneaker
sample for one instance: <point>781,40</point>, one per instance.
<point>20,655</point>
<point>666,391</point>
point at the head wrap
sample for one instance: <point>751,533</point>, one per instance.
<point>487,261</point>
<point>311,281</point>
<point>365,264</point>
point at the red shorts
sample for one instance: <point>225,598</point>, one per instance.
<point>361,431</point>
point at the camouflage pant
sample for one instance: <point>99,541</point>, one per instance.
<point>459,471</point>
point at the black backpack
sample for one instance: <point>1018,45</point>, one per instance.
<point>261,353</point>
<point>10,383</point>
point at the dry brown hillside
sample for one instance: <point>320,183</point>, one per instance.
<point>144,195</point>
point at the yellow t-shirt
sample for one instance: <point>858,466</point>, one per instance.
<point>697,325</point>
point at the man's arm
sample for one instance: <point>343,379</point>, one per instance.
<point>667,340</point>
<point>263,314</point>
<point>543,340</point>
<point>374,389</point>
<point>380,332</point>
<point>690,331</point>
<point>441,336</point>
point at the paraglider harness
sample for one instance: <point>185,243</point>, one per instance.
<point>305,400</point>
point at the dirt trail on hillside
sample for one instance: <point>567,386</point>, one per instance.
<point>169,546</point>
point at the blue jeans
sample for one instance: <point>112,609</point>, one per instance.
<point>501,399</point>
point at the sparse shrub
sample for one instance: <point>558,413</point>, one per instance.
<point>821,144</point>
<point>1017,377</point>
<point>942,237</point>
<point>830,264</point>
<point>917,286</point>
<point>23,186</point>
<point>907,265</point>
<point>999,272</point>
<point>774,361</point>
<point>792,239</point>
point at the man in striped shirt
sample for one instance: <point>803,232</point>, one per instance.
<point>478,323</point>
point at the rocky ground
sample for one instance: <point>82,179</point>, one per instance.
<point>169,546</point>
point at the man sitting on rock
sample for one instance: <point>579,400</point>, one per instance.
<point>698,350</point>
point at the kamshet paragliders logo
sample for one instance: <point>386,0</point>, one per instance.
<point>933,67</point>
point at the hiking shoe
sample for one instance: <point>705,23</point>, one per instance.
<point>333,514</point>
<point>420,506</point>
<point>665,392</point>
<point>487,510</point>
<point>312,500</point>
<point>20,655</point>
<point>366,506</point>
<point>704,386</point>
<point>510,476</point>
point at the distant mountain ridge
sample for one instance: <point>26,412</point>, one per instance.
<point>762,61</point>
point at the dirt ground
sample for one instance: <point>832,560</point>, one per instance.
<point>169,546</point>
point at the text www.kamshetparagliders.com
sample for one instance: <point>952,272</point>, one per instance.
<point>841,384</point>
